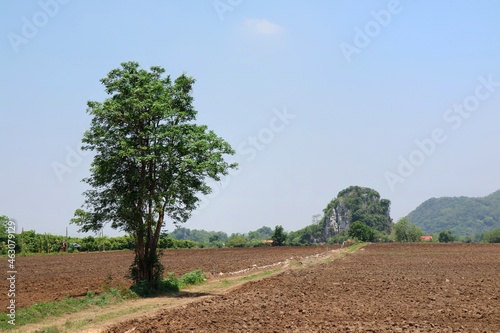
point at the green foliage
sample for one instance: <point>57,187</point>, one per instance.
<point>236,240</point>
<point>153,262</point>
<point>446,236</point>
<point>260,234</point>
<point>279,236</point>
<point>361,231</point>
<point>4,225</point>
<point>172,243</point>
<point>339,238</point>
<point>311,234</point>
<point>405,231</point>
<point>214,239</point>
<point>492,236</point>
<point>193,278</point>
<point>50,329</point>
<point>461,215</point>
<point>46,243</point>
<point>151,159</point>
<point>169,284</point>
<point>199,236</point>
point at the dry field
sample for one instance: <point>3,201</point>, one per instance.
<point>53,277</point>
<point>380,288</point>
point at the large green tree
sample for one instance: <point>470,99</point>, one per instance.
<point>151,159</point>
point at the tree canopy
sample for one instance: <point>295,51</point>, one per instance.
<point>151,159</point>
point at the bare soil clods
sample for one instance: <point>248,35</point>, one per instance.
<point>53,277</point>
<point>380,288</point>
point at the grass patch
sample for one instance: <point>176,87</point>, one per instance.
<point>40,311</point>
<point>226,283</point>
<point>73,325</point>
<point>51,329</point>
<point>258,275</point>
<point>356,247</point>
<point>192,278</point>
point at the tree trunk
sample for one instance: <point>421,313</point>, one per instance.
<point>147,265</point>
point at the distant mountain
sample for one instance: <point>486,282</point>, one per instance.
<point>462,215</point>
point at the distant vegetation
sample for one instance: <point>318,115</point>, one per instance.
<point>356,213</point>
<point>460,215</point>
<point>405,231</point>
<point>31,242</point>
<point>492,236</point>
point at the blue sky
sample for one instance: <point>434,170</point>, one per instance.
<point>400,96</point>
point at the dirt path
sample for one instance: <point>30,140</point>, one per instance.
<point>97,319</point>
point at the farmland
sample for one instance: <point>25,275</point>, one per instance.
<point>380,288</point>
<point>53,277</point>
<point>397,287</point>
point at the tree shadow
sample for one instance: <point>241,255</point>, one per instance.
<point>189,294</point>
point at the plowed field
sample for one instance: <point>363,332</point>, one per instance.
<point>380,288</point>
<point>53,277</point>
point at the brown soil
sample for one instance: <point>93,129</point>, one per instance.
<point>53,277</point>
<point>380,288</point>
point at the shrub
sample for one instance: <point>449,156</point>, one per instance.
<point>338,238</point>
<point>169,284</point>
<point>192,278</point>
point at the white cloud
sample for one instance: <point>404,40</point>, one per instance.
<point>262,27</point>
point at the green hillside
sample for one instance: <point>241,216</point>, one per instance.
<point>462,215</point>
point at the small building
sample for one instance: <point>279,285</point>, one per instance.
<point>426,238</point>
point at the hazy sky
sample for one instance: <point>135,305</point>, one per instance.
<point>315,96</point>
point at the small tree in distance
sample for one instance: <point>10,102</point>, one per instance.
<point>279,236</point>
<point>405,231</point>
<point>445,236</point>
<point>361,231</point>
